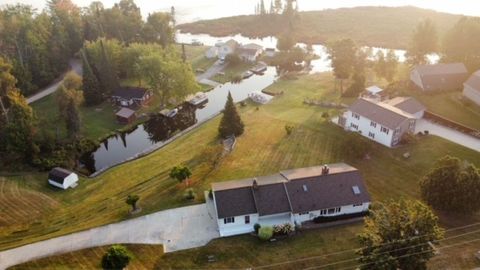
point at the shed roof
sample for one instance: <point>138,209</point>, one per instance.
<point>58,175</point>
<point>441,69</point>
<point>407,104</point>
<point>381,113</point>
<point>130,92</point>
<point>474,81</point>
<point>374,89</point>
<point>125,113</point>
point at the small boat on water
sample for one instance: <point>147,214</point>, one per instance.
<point>247,74</point>
<point>259,68</point>
<point>172,113</point>
<point>199,99</point>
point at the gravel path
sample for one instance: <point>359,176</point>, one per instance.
<point>177,229</point>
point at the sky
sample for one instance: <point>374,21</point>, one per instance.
<point>192,10</point>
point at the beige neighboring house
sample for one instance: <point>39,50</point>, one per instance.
<point>250,52</point>
<point>471,88</point>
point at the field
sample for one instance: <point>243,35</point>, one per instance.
<point>263,149</point>
<point>389,27</point>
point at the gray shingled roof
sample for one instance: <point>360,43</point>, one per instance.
<point>441,69</point>
<point>235,202</point>
<point>381,113</point>
<point>271,199</point>
<point>285,192</point>
<point>326,191</point>
<point>474,81</point>
<point>407,104</point>
<point>58,175</point>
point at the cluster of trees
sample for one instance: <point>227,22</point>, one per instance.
<point>452,185</point>
<point>277,7</point>
<point>460,43</point>
<point>40,45</point>
<point>105,61</point>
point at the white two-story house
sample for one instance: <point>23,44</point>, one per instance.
<point>378,121</point>
<point>293,196</point>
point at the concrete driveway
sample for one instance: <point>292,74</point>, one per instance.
<point>177,229</point>
<point>448,134</point>
<point>75,65</point>
<point>212,71</point>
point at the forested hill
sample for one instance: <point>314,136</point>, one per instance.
<point>389,27</point>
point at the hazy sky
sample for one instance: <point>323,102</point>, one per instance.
<point>191,10</point>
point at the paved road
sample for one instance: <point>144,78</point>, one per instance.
<point>214,69</point>
<point>448,134</point>
<point>75,66</point>
<point>177,229</point>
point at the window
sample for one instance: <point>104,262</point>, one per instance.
<point>247,219</point>
<point>371,135</point>
<point>323,212</point>
<point>356,116</point>
<point>373,124</point>
<point>338,209</point>
<point>353,126</point>
<point>303,213</point>
<point>229,220</point>
<point>331,211</point>
<point>356,205</point>
<point>385,130</point>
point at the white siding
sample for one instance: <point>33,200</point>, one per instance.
<point>68,182</point>
<point>472,94</point>
<point>211,53</point>
<point>344,210</point>
<point>238,227</point>
<point>416,79</point>
<point>365,128</point>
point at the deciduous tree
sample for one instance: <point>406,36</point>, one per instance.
<point>342,54</point>
<point>117,258</point>
<point>424,42</point>
<point>461,43</point>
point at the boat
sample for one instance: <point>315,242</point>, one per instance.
<point>199,99</point>
<point>259,69</point>
<point>247,74</point>
<point>172,113</point>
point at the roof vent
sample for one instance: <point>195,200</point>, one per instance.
<point>255,184</point>
<point>325,169</point>
<point>356,190</point>
<point>305,188</point>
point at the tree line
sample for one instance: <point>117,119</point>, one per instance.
<point>39,45</point>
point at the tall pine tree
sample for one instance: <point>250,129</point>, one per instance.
<point>231,123</point>
<point>91,86</point>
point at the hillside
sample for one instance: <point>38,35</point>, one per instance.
<point>389,27</point>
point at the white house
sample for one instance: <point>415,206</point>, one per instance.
<point>212,52</point>
<point>293,196</point>
<point>250,52</point>
<point>227,48</point>
<point>378,121</point>
<point>471,88</point>
<point>62,178</point>
<point>436,77</point>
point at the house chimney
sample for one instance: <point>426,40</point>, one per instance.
<point>255,184</point>
<point>325,169</point>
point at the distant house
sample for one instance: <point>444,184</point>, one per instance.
<point>227,48</point>
<point>292,196</point>
<point>378,121</point>
<point>250,52</point>
<point>373,92</point>
<point>471,88</point>
<point>409,105</point>
<point>131,96</point>
<point>270,52</point>
<point>439,76</point>
<point>212,52</point>
<point>125,116</point>
<point>62,178</point>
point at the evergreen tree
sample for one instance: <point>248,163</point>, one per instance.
<point>231,123</point>
<point>397,236</point>
<point>272,8</point>
<point>263,11</point>
<point>184,55</point>
<point>91,86</point>
<point>72,118</point>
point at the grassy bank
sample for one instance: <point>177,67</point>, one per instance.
<point>389,27</point>
<point>263,149</point>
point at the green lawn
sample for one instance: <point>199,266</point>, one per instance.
<point>263,149</point>
<point>231,71</point>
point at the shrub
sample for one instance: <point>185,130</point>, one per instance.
<point>408,138</point>
<point>117,257</point>
<point>265,233</point>
<point>256,227</point>
<point>325,115</point>
<point>277,230</point>
<point>210,194</point>
<point>189,194</point>
<point>289,129</point>
<point>287,228</point>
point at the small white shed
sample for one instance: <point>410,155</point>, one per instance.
<point>62,178</point>
<point>374,90</point>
